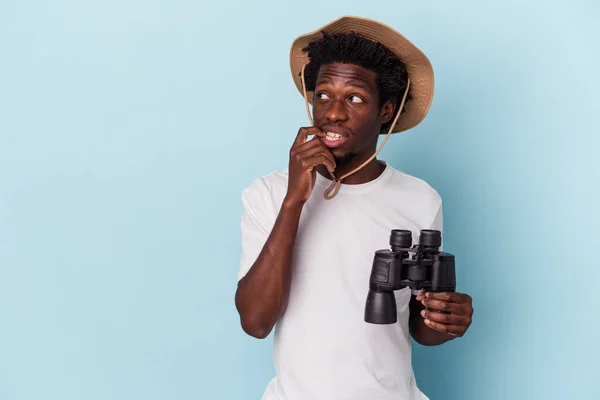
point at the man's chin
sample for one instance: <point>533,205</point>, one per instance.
<point>344,159</point>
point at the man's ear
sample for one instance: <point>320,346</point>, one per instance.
<point>386,112</point>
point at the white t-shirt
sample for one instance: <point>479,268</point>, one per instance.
<point>323,348</point>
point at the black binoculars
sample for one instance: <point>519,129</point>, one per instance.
<point>419,267</point>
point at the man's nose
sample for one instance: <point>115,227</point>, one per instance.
<point>337,111</point>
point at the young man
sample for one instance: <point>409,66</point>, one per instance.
<point>309,232</point>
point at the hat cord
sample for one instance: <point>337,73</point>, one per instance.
<point>334,188</point>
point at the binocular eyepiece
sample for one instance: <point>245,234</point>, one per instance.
<point>419,267</point>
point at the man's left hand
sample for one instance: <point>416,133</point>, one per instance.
<point>457,307</point>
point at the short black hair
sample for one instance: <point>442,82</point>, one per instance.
<point>353,48</point>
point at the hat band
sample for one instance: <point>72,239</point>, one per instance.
<point>334,188</point>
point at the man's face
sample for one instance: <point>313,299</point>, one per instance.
<point>346,107</point>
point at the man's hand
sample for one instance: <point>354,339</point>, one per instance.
<point>457,311</point>
<point>304,157</point>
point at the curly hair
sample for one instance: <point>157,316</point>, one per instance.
<point>353,48</point>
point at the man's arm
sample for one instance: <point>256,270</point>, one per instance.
<point>262,294</point>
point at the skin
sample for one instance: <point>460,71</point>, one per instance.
<point>347,99</point>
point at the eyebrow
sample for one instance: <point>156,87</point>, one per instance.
<point>353,82</point>
<point>358,84</point>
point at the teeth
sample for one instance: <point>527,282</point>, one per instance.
<point>334,136</point>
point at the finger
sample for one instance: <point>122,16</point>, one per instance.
<point>448,319</point>
<point>309,145</point>
<point>454,330</point>
<point>303,134</point>
<point>300,137</point>
<point>311,162</point>
<point>327,153</point>
<point>439,305</point>
<point>452,297</point>
<point>314,145</point>
<point>421,296</point>
<point>316,149</point>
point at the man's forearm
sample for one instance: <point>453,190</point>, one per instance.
<point>263,292</point>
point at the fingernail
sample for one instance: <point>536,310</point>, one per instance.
<point>423,302</point>
<point>427,321</point>
<point>427,294</point>
<point>423,313</point>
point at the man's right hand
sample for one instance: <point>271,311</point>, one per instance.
<point>304,157</point>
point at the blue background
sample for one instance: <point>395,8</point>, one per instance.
<point>129,128</point>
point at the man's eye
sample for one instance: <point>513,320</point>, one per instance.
<point>322,96</point>
<point>356,99</point>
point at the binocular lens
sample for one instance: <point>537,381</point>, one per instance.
<point>430,238</point>
<point>381,308</point>
<point>401,238</point>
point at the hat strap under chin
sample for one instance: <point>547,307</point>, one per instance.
<point>333,189</point>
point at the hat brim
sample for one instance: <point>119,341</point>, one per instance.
<point>419,67</point>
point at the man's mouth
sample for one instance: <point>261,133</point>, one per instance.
<point>334,139</point>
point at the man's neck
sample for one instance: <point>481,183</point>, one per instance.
<point>369,172</point>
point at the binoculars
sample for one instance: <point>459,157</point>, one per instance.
<point>419,267</point>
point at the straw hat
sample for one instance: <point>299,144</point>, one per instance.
<point>419,68</point>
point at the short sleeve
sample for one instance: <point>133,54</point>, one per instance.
<point>438,220</point>
<point>256,225</point>
<point>438,224</point>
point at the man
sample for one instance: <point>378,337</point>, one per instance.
<point>309,232</point>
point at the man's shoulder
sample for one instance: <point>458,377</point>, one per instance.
<point>413,186</point>
<point>270,181</point>
<point>269,187</point>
